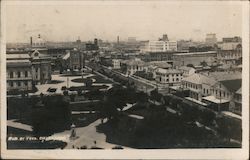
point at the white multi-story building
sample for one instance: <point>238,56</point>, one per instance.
<point>168,76</point>
<point>160,46</point>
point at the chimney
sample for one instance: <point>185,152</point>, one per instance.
<point>31,41</point>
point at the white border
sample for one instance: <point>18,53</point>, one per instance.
<point>132,154</point>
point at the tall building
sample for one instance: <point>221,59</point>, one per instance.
<point>160,46</point>
<point>19,75</point>
<point>211,39</point>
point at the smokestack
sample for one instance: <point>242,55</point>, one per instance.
<point>95,41</point>
<point>31,41</point>
<point>117,39</point>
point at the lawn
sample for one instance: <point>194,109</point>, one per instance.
<point>98,79</point>
<point>73,75</point>
<point>77,88</point>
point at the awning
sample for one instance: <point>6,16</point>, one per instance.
<point>215,100</point>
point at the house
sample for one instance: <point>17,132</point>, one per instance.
<point>199,85</point>
<point>223,94</point>
<point>135,65</point>
<point>187,71</point>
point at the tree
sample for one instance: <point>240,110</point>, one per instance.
<point>204,63</point>
<point>141,97</point>
<point>190,65</point>
<point>88,82</point>
<point>155,95</point>
<point>54,116</point>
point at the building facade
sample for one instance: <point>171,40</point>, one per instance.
<point>199,85</point>
<point>160,46</point>
<point>223,93</point>
<point>194,58</point>
<point>26,69</point>
<point>168,76</point>
<point>19,76</point>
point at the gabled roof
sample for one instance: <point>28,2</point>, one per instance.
<point>167,71</point>
<point>185,68</point>
<point>161,64</point>
<point>221,76</point>
<point>199,79</point>
<point>232,85</point>
<point>66,56</point>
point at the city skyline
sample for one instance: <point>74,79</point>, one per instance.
<point>104,21</point>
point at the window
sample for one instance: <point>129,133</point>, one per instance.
<point>11,84</point>
<point>173,79</point>
<point>18,74</point>
<point>19,83</point>
<point>204,90</point>
<point>11,74</point>
<point>177,79</point>
<point>26,73</point>
<point>207,91</point>
<point>36,70</point>
<point>26,83</point>
<point>167,80</point>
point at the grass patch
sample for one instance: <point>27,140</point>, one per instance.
<point>79,80</point>
<point>55,82</point>
<point>74,88</point>
<point>100,79</point>
<point>73,75</point>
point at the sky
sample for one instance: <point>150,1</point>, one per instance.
<point>102,20</point>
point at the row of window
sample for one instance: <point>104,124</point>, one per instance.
<point>220,93</point>
<point>190,85</point>
<point>19,83</point>
<point>167,75</point>
<point>19,74</point>
<point>173,80</point>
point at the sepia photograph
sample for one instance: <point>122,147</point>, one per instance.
<point>125,78</point>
